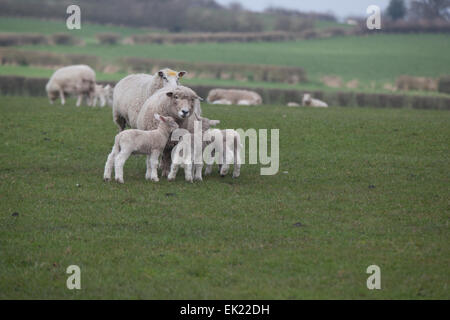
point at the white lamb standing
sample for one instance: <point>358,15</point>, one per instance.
<point>308,101</point>
<point>104,94</point>
<point>228,143</point>
<point>234,96</point>
<point>184,153</point>
<point>133,141</point>
<point>132,91</point>
<point>76,80</point>
<point>179,103</point>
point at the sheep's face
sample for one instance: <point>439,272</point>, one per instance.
<point>307,99</point>
<point>170,78</point>
<point>182,103</point>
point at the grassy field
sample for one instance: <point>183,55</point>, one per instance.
<point>373,61</point>
<point>356,187</point>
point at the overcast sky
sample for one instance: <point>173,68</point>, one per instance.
<point>341,8</point>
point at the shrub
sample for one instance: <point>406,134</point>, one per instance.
<point>108,38</point>
<point>65,39</point>
<point>444,85</point>
<point>18,39</point>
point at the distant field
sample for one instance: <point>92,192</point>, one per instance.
<point>372,61</point>
<point>356,187</point>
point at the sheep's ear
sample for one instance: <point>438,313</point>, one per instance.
<point>161,73</point>
<point>181,74</point>
<point>170,94</point>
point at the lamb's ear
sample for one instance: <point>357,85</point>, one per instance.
<point>181,74</point>
<point>161,73</point>
<point>170,94</point>
<point>158,117</point>
<point>214,122</point>
<point>200,98</point>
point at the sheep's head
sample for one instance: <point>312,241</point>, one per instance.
<point>307,99</point>
<point>168,121</point>
<point>170,77</point>
<point>182,102</point>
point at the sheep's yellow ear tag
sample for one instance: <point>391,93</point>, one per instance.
<point>171,73</point>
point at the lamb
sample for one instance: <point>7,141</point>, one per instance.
<point>105,94</point>
<point>133,141</point>
<point>239,97</point>
<point>77,80</point>
<point>308,101</point>
<point>180,103</point>
<point>293,104</point>
<point>184,153</point>
<point>228,143</point>
<point>132,91</point>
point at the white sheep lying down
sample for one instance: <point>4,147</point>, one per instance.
<point>133,141</point>
<point>308,101</point>
<point>131,93</point>
<point>234,96</point>
<point>220,146</point>
<point>76,80</point>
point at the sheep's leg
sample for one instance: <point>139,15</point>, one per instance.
<point>173,171</point>
<point>121,122</point>
<point>119,162</point>
<point>79,100</point>
<point>61,95</point>
<point>154,166</point>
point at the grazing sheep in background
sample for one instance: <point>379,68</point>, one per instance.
<point>308,101</point>
<point>132,91</point>
<point>229,142</point>
<point>133,141</point>
<point>105,94</point>
<point>180,103</point>
<point>77,80</point>
<point>239,97</point>
<point>184,159</point>
<point>293,104</point>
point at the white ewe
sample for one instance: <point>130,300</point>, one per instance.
<point>133,141</point>
<point>308,101</point>
<point>180,103</point>
<point>132,91</point>
<point>77,80</point>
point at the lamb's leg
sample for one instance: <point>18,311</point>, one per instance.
<point>188,172</point>
<point>102,101</point>
<point>148,173</point>
<point>119,162</point>
<point>110,163</point>
<point>173,171</point>
<point>198,172</point>
<point>208,169</point>
<point>154,165</point>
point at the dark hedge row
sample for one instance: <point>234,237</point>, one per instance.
<point>13,85</point>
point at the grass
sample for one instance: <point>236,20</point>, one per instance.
<point>225,238</point>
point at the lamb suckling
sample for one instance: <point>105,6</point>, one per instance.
<point>134,141</point>
<point>188,156</point>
